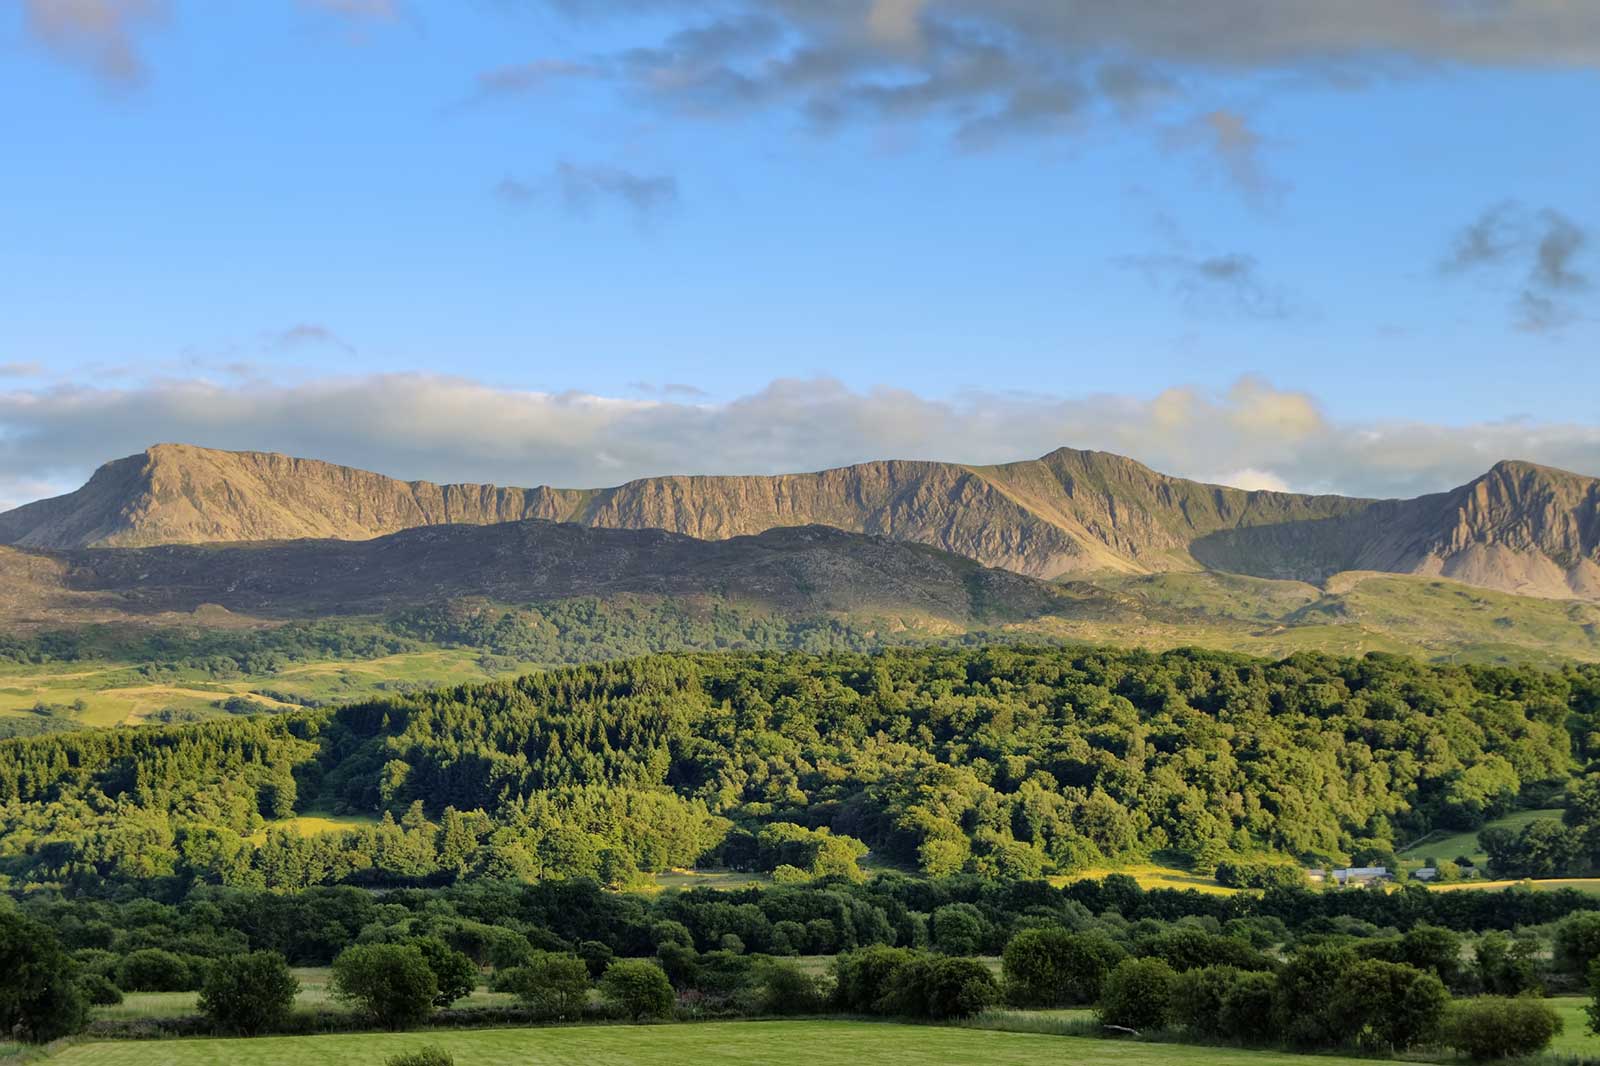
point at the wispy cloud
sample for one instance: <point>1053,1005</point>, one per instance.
<point>581,188</point>
<point>1540,249</point>
<point>309,334</point>
<point>100,34</point>
<point>1230,283</point>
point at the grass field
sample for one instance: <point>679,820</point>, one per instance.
<point>1150,875</point>
<point>743,1043</point>
<point>1574,1038</point>
<point>1448,846</point>
<point>313,824</point>
<point>1590,885</point>
<point>115,693</point>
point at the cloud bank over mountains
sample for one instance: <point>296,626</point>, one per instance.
<point>437,428</point>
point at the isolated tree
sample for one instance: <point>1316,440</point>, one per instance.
<point>1035,968</point>
<point>249,994</point>
<point>1498,1027</point>
<point>552,985</point>
<point>392,984</point>
<point>637,989</point>
<point>1388,1005</point>
<point>1138,994</point>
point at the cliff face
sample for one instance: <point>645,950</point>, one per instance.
<point>1068,512</point>
<point>1519,528</point>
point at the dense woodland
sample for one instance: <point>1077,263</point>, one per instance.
<point>1004,763</point>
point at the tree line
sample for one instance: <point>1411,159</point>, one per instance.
<point>1003,762</point>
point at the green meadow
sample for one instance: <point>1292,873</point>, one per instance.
<point>819,1043</point>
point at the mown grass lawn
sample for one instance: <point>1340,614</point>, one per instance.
<point>742,1043</point>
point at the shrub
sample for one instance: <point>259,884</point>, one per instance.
<point>596,956</point>
<point>1497,1027</point>
<point>1577,942</point>
<point>958,929</point>
<point>1138,994</point>
<point>423,1056</point>
<point>1247,1007</point>
<point>939,988</point>
<point>99,989</point>
<point>1198,997</point>
<point>862,977</point>
<point>784,988</point>
<point>249,994</point>
<point>554,986</point>
<point>1302,998</point>
<point>392,984</point>
<point>1238,874</point>
<point>637,989</point>
<point>453,971</point>
<point>1507,967</point>
<point>1035,968</point>
<point>1388,1005</point>
<point>1053,968</point>
<point>680,964</point>
<point>40,1000</point>
<point>155,970</point>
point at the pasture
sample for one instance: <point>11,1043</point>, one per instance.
<point>816,1043</point>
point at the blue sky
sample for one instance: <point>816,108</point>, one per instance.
<point>1380,219</point>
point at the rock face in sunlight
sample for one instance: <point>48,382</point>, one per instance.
<point>1519,528</point>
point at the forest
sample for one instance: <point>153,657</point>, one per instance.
<point>1003,763</point>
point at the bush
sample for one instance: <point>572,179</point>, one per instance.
<point>423,1056</point>
<point>551,985</point>
<point>596,956</point>
<point>1497,1027</point>
<point>637,989</point>
<point>784,988</point>
<point>1238,874</point>
<point>1302,998</point>
<point>1034,966</point>
<point>939,988</point>
<point>1247,1007</point>
<point>453,971</point>
<point>392,984</point>
<point>155,970</point>
<point>40,999</point>
<point>960,988</point>
<point>1198,997</point>
<point>99,989</point>
<point>1055,968</point>
<point>1388,1005</point>
<point>1138,994</point>
<point>959,929</point>
<point>862,977</point>
<point>249,994</point>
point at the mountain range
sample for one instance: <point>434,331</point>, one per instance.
<point>1520,528</point>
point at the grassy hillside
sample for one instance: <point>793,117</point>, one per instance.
<point>110,679</point>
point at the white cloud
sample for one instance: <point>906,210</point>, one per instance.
<point>454,429</point>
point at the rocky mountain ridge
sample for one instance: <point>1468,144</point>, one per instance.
<point>1520,528</point>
